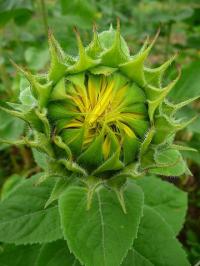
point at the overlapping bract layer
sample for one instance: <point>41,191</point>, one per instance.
<point>100,116</point>
<point>103,111</point>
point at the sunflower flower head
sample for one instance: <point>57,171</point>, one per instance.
<point>103,113</point>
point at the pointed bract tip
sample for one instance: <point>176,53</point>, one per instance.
<point>155,37</point>
<point>19,68</point>
<point>78,36</point>
<point>94,27</point>
<point>179,70</point>
<point>95,34</point>
<point>111,27</point>
<point>13,63</point>
<point>75,30</point>
<point>118,24</point>
<point>50,33</point>
<point>176,54</point>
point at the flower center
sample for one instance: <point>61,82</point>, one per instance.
<point>108,104</point>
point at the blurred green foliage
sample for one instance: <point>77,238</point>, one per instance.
<point>24,28</point>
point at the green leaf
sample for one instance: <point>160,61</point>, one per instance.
<point>40,158</point>
<point>12,255</point>
<point>17,9</point>
<point>11,183</point>
<point>102,235</point>
<point>188,113</point>
<point>137,259</point>
<point>25,96</point>
<point>59,187</point>
<point>23,219</point>
<point>36,58</point>
<point>170,163</point>
<point>155,243</point>
<point>56,254</point>
<point>188,85</point>
<point>83,9</point>
<point>50,254</point>
<point>10,128</point>
<point>166,199</point>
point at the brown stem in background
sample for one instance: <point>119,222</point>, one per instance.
<point>44,16</point>
<point>26,156</point>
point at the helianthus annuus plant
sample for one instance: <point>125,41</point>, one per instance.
<point>104,123</point>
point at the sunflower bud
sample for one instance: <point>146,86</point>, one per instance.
<point>104,113</point>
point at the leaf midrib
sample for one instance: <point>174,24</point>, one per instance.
<point>27,215</point>
<point>102,228</point>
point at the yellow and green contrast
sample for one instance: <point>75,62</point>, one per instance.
<point>103,113</point>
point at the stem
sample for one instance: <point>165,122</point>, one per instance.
<point>13,157</point>
<point>26,157</point>
<point>44,16</point>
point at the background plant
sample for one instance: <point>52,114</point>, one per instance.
<point>22,42</point>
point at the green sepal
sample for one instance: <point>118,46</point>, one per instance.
<point>139,126</point>
<point>56,169</point>
<point>114,143</point>
<point>73,167</point>
<point>93,155</point>
<point>57,65</point>
<point>77,79</point>
<point>59,142</point>
<point>147,140</point>
<point>104,70</point>
<point>165,127</point>
<point>132,170</point>
<point>26,98</point>
<point>182,148</point>
<point>112,163</point>
<point>135,95</point>
<point>147,159</point>
<point>164,161</point>
<point>30,117</point>
<point>130,149</point>
<point>167,108</point>
<point>168,162</point>
<point>42,115</point>
<point>156,96</point>
<point>94,48</point>
<point>74,139</point>
<point>134,68</point>
<point>41,143</point>
<point>60,111</point>
<point>114,56</point>
<point>58,92</point>
<point>170,108</point>
<point>154,76</point>
<point>119,79</point>
<point>107,38</point>
<point>84,61</point>
<point>40,91</point>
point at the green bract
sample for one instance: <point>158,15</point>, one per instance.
<point>102,113</point>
